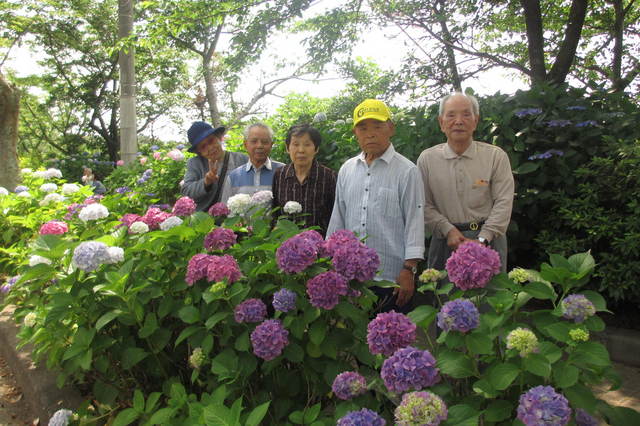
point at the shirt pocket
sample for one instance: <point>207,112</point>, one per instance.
<point>480,193</point>
<point>387,201</point>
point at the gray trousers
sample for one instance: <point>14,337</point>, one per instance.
<point>439,251</point>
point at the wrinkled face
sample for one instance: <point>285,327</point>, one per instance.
<point>211,148</point>
<point>374,137</point>
<point>258,145</point>
<point>301,150</point>
<point>458,121</point>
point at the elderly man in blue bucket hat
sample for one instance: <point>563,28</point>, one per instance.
<point>206,172</point>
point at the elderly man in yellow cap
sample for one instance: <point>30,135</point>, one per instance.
<point>380,196</point>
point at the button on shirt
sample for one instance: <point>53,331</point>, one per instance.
<point>246,179</point>
<point>383,202</point>
<point>477,185</point>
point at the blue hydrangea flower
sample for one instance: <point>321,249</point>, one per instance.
<point>459,315</point>
<point>89,255</point>
<point>364,417</point>
<point>409,368</point>
<point>576,108</point>
<point>284,300</point>
<point>527,111</point>
<point>348,385</point>
<point>542,406</point>
<point>585,419</point>
<point>576,307</point>
<point>558,123</point>
<point>588,123</point>
<point>251,310</point>
<point>547,154</point>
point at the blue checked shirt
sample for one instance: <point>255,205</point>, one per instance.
<point>246,179</point>
<point>383,202</point>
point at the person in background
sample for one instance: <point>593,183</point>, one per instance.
<point>257,174</point>
<point>380,196</point>
<point>89,178</point>
<point>305,180</point>
<point>206,173</point>
<point>468,185</point>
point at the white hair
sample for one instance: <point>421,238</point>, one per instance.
<point>475,108</point>
<point>259,124</point>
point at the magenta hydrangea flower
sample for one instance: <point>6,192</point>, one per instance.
<point>55,227</point>
<point>269,339</point>
<point>129,218</point>
<point>324,290</point>
<point>542,406</point>
<point>356,262</point>
<point>197,268</point>
<point>459,315</point>
<point>409,368</point>
<point>577,307</point>
<point>221,267</point>
<point>390,331</point>
<point>219,209</point>
<point>184,206</point>
<point>251,310</point>
<point>473,265</point>
<point>585,419</point>
<point>363,417</point>
<point>348,385</point>
<point>340,238</point>
<point>220,239</point>
<point>284,300</point>
<point>296,254</point>
<point>154,217</point>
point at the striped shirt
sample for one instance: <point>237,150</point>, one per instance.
<point>384,203</point>
<point>246,179</point>
<point>316,194</point>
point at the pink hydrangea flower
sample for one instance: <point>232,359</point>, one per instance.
<point>154,217</point>
<point>221,267</point>
<point>197,268</point>
<point>220,239</point>
<point>184,206</point>
<point>54,227</point>
<point>324,290</point>
<point>157,155</point>
<point>390,331</point>
<point>473,265</point>
<point>120,163</point>
<point>219,209</point>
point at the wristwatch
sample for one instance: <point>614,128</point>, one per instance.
<point>484,241</point>
<point>413,269</point>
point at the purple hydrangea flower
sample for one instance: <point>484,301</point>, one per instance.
<point>364,417</point>
<point>221,267</point>
<point>296,254</point>
<point>390,331</point>
<point>184,206</point>
<point>284,300</point>
<point>357,262</point>
<point>409,368</point>
<point>348,385</point>
<point>20,188</point>
<point>219,209</point>
<point>324,290</point>
<point>547,154</point>
<point>55,227</point>
<point>130,218</point>
<point>420,408</point>
<point>6,287</point>
<point>89,255</point>
<point>583,418</point>
<point>576,108</point>
<point>527,111</point>
<point>473,265</point>
<point>269,339</point>
<point>459,315</point>
<point>340,238</point>
<point>588,123</point>
<point>543,406</point>
<point>558,123</point>
<point>576,307</point>
<point>197,268</point>
<point>122,190</point>
<point>251,310</point>
<point>220,239</point>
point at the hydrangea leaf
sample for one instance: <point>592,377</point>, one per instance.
<point>502,375</point>
<point>540,290</point>
<point>537,364</point>
<point>498,410</point>
<point>455,364</point>
<point>479,343</point>
<point>565,375</point>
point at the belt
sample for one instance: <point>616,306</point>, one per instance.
<point>471,226</point>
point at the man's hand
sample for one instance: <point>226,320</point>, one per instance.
<point>212,175</point>
<point>455,238</point>
<point>407,287</point>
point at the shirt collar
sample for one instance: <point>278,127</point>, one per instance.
<point>471,151</point>
<point>249,165</point>
<point>290,171</point>
<point>387,156</point>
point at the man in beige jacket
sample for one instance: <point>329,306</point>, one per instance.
<point>469,185</point>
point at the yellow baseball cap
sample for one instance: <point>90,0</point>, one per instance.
<point>371,108</point>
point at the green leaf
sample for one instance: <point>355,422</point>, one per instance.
<point>597,300</point>
<point>217,415</point>
<point>580,396</point>
<point>551,351</point>
<point>498,410</point>
<point>462,415</point>
<point>125,417</point>
<point>189,314</point>
<point>527,167</point>
<point>187,332</point>
<point>594,323</point>
<point>107,318</point>
<point>225,363</point>
<point>582,263</point>
<point>593,353</point>
<point>484,388</point>
<point>311,414</point>
<point>479,343</point>
<point>162,416</point>
<point>537,364</point>
<point>257,414</point>
<point>423,315</point>
<point>132,356</point>
<point>559,331</point>
<point>540,290</point>
<point>242,342</point>
<point>455,364</point>
<point>565,375</point>
<point>149,327</point>
<point>138,401</point>
<point>152,401</point>
<point>622,416</point>
<point>501,301</point>
<point>314,351</point>
<point>296,417</point>
<point>502,375</point>
<point>317,332</point>
<point>215,318</point>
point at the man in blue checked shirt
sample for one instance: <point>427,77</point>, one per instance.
<point>380,196</point>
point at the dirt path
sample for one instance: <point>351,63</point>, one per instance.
<point>14,410</point>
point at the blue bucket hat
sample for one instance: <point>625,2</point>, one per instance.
<point>199,131</point>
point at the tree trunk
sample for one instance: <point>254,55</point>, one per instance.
<point>9,110</point>
<point>535,40</point>
<point>126,62</point>
<point>567,52</point>
<point>456,82</point>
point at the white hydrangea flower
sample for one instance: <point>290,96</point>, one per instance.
<point>93,212</point>
<point>40,174</point>
<point>51,199</point>
<point>61,417</point>
<point>4,191</point>
<point>116,254</point>
<point>239,204</point>
<point>321,116</point>
<point>70,188</point>
<point>181,183</point>
<point>170,222</point>
<point>138,228</point>
<point>48,187</point>
<point>24,194</point>
<point>53,173</point>
<point>339,122</point>
<point>30,319</point>
<point>26,170</point>
<point>36,260</point>
<point>292,207</point>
